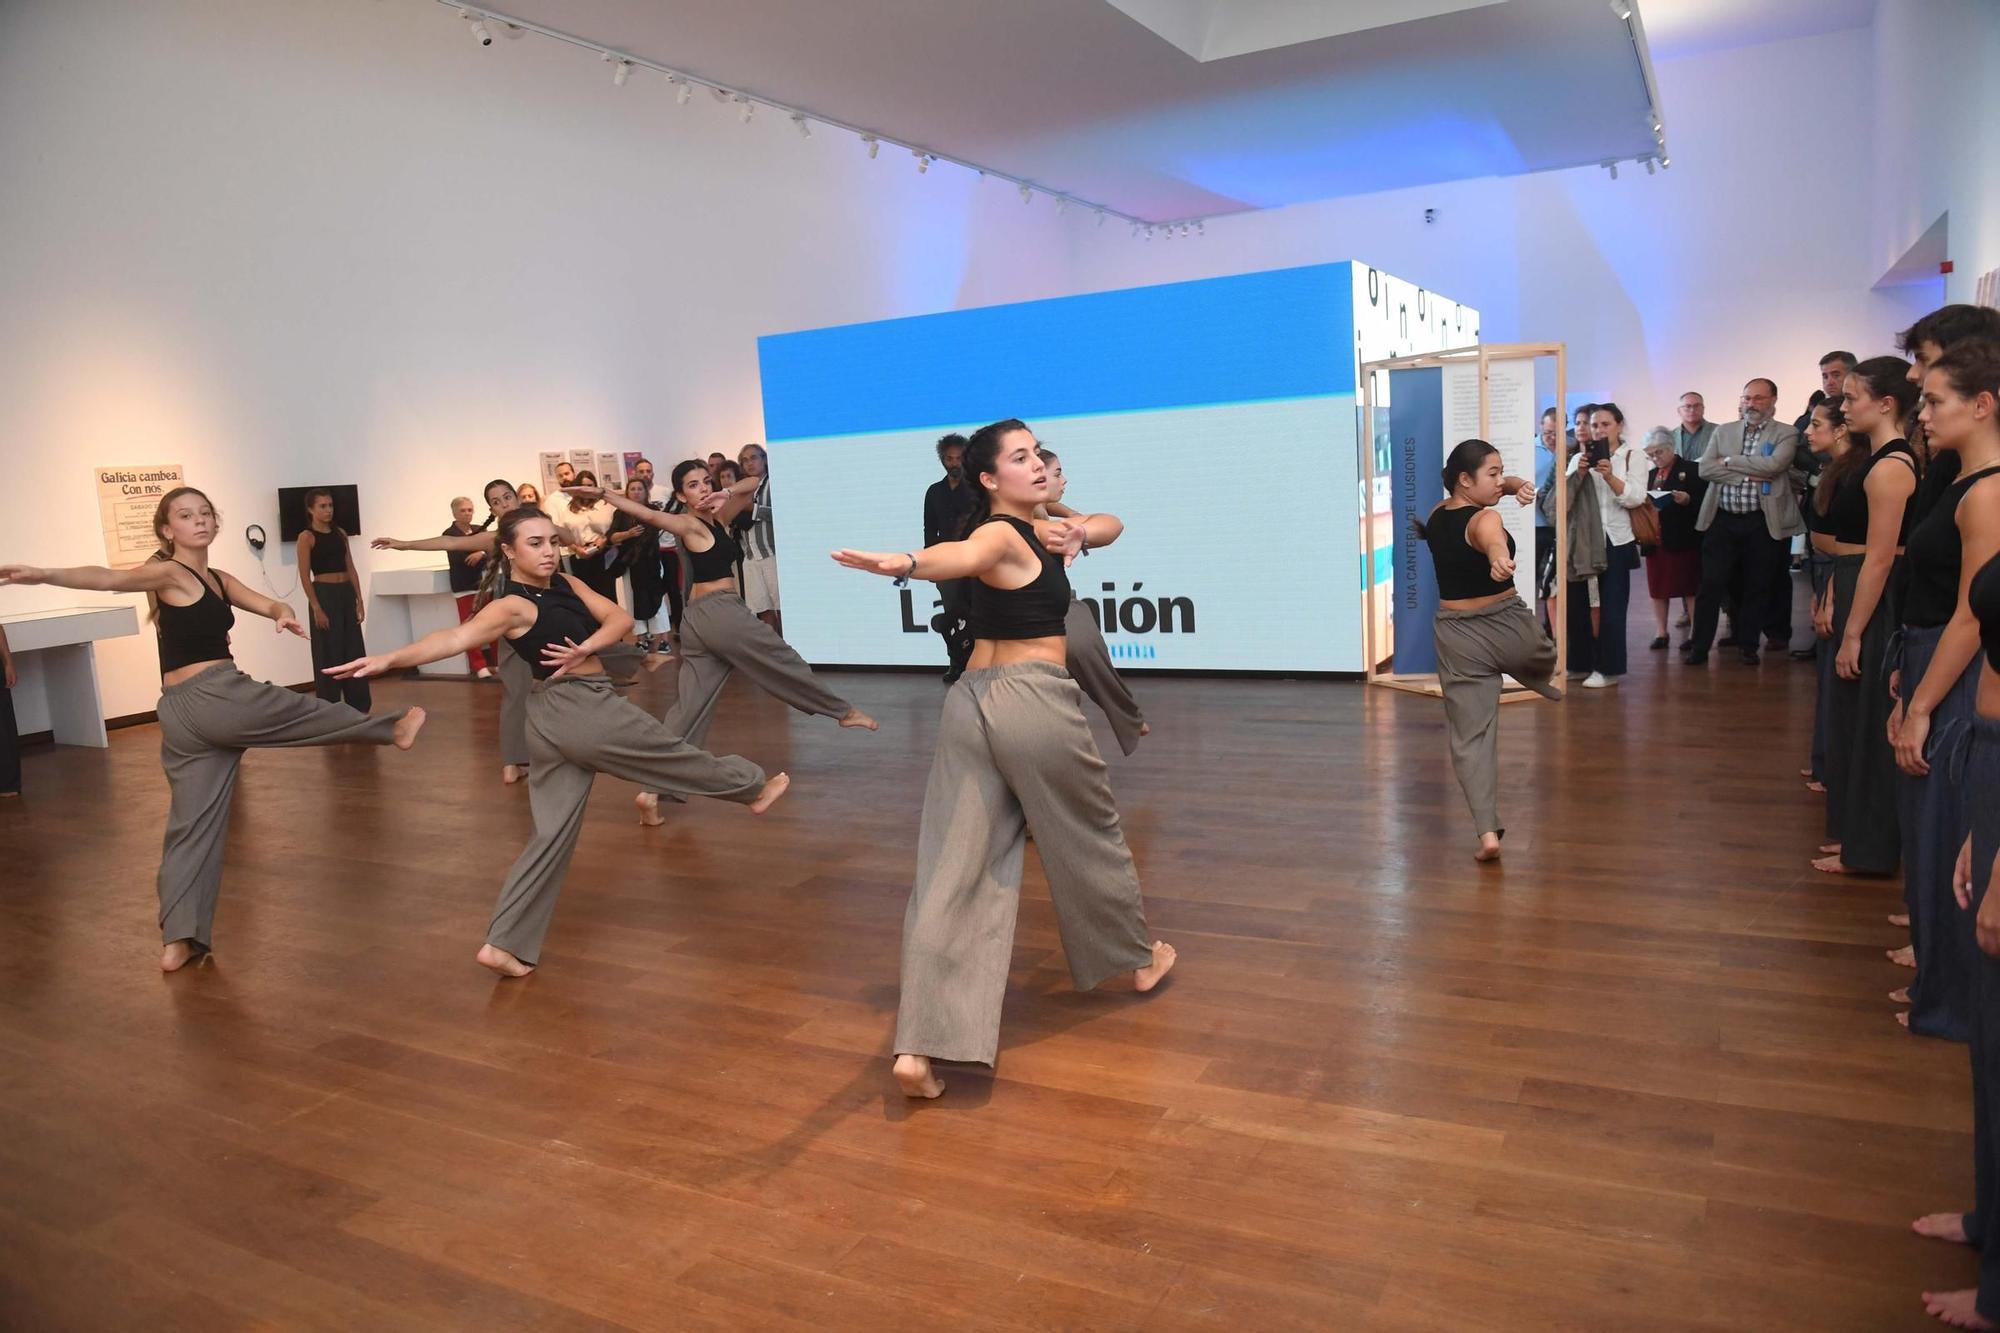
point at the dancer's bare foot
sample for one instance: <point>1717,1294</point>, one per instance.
<point>1831,865</point>
<point>649,808</point>
<point>856,718</point>
<point>1903,1019</point>
<point>1149,976</point>
<point>769,796</point>
<point>1903,957</point>
<point>1145,728</point>
<point>913,1072</point>
<point>1805,772</point>
<point>1942,1226</point>
<point>1900,995</point>
<point>407,728</point>
<point>1899,919</point>
<point>1957,1308</point>
<point>1830,848</point>
<point>178,955</point>
<point>499,960</point>
<point>1489,847</point>
<point>513,773</point>
<point>1816,787</point>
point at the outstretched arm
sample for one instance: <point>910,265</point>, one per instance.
<point>487,542</point>
<point>938,564</point>
<point>491,624</point>
<point>280,614</point>
<point>678,524</point>
<point>149,577</point>
<point>1070,537</point>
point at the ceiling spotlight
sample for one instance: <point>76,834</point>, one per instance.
<point>804,128</point>
<point>923,160</point>
<point>621,70</point>
<point>1186,230</point>
<point>746,108</point>
<point>1200,229</point>
<point>1649,166</point>
<point>1135,231</point>
<point>1666,162</point>
<point>480,32</point>
<point>1612,167</point>
<point>683,92</point>
<point>874,145</point>
<point>1027,193</point>
<point>1622,10</point>
<point>1149,233</point>
<point>1062,204</point>
<point>1655,123</point>
<point>1100,217</point>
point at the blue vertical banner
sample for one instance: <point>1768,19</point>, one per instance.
<point>1416,435</point>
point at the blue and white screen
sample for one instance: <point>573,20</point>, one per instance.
<point>1216,418</point>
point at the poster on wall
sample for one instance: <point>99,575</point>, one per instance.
<point>126,499</point>
<point>545,471</point>
<point>1510,428</point>
<point>611,471</point>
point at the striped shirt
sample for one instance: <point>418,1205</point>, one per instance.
<point>759,543</point>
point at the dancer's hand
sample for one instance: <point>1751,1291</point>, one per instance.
<point>1961,875</point>
<point>592,493</point>
<point>12,679</point>
<point>1526,495</point>
<point>321,620</point>
<point>1848,664</point>
<point>284,619</point>
<point>1064,538</point>
<point>24,575</point>
<point>562,656</point>
<point>1986,925</point>
<point>1501,568</point>
<point>360,612</point>
<point>388,544</point>
<point>1895,721</point>
<point>361,668</point>
<point>1909,741</point>
<point>873,562</point>
<point>712,503</point>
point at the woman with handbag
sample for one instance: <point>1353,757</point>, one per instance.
<point>1616,476</point>
<point>1673,565</point>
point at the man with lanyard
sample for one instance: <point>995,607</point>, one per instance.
<point>946,504</point>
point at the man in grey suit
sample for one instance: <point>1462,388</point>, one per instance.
<point>1749,517</point>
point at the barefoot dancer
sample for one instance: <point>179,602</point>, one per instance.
<point>210,712</point>
<point>1869,520</point>
<point>1013,750</point>
<point>1973,881</point>
<point>1483,629</point>
<point>719,635</point>
<point>515,678</point>
<point>578,726</point>
<point>1938,680</point>
<point>1089,660</point>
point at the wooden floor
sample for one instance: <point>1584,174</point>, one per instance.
<point>1643,1076</point>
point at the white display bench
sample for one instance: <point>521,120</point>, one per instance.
<point>406,604</point>
<point>55,657</point>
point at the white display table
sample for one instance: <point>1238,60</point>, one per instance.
<point>56,660</point>
<point>406,604</point>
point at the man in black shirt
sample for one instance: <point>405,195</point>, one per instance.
<point>946,505</point>
<point>467,568</point>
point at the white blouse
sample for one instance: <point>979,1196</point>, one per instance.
<point>1630,463</point>
<point>587,529</point>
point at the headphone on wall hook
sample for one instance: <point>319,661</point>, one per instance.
<point>254,534</point>
<point>257,539</point>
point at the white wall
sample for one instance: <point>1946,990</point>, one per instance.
<point>292,243</point>
<point>1937,102</point>
<point>1751,256</point>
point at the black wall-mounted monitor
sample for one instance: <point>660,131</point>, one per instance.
<point>292,517</point>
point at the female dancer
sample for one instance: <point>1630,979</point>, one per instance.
<point>210,712</point>
<point>1013,751</point>
<point>577,724</point>
<point>1826,435</point>
<point>1674,570</point>
<point>1869,522</point>
<point>333,592</point>
<point>1614,472</point>
<point>515,679</point>
<point>718,633</point>
<point>1089,660</point>
<point>1483,628</point>
<point>1936,680</point>
<point>1973,881</point>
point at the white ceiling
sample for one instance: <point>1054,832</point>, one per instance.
<point>1167,109</point>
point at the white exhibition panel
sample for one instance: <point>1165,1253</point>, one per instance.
<point>55,659</point>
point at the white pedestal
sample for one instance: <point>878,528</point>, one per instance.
<point>406,604</point>
<point>56,661</point>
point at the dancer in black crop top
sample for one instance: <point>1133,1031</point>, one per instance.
<point>1085,654</point>
<point>1483,629</point>
<point>579,725</point>
<point>719,635</point>
<point>333,599</point>
<point>210,712</point>
<point>1013,753</point>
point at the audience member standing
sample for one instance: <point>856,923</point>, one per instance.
<point>1692,435</point>
<point>656,633</point>
<point>1610,478</point>
<point>1747,517</point>
<point>760,543</point>
<point>585,529</point>
<point>1673,569</point>
<point>465,568</point>
<point>946,504</point>
<point>1807,466</point>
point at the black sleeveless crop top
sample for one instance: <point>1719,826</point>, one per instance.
<point>195,633</point>
<point>1033,611</point>
<point>1847,514</point>
<point>329,553</point>
<point>718,561</point>
<point>1463,571</point>
<point>559,614</point>
<point>1984,598</point>
<point>1933,562</point>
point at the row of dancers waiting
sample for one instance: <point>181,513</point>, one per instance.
<point>1014,752</point>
